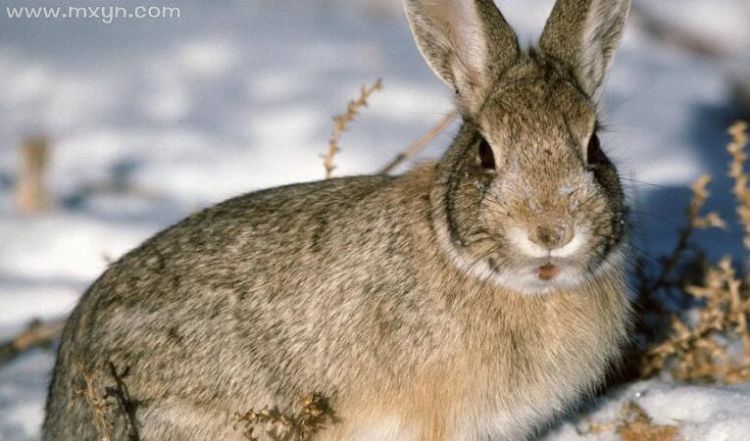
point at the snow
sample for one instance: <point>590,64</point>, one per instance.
<point>238,95</point>
<point>703,413</point>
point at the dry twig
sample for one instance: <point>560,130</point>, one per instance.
<point>301,426</point>
<point>634,424</point>
<point>696,353</point>
<point>110,404</point>
<point>702,351</point>
<point>125,402</point>
<point>36,335</point>
<point>31,193</point>
<point>696,221</point>
<point>419,144</point>
<point>99,407</point>
<point>341,122</point>
<point>682,266</point>
<point>741,191</point>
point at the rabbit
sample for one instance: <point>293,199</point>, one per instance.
<point>475,298</point>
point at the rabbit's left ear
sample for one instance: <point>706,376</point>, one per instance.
<point>467,43</point>
<point>583,36</point>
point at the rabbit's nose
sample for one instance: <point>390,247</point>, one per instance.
<point>552,236</point>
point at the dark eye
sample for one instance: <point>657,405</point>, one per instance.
<point>486,156</point>
<point>594,154</point>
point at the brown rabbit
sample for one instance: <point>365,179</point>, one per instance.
<point>473,299</point>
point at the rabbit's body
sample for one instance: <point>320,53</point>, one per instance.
<point>468,300</point>
<point>397,337</point>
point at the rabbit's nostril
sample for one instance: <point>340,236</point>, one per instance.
<point>552,236</point>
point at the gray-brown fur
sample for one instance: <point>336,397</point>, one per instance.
<point>406,301</point>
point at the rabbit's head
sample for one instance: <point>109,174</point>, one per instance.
<point>526,197</point>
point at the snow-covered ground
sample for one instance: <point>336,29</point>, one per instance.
<point>237,95</point>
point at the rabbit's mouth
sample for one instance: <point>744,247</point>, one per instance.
<point>548,271</point>
<point>546,275</point>
<point>551,274</point>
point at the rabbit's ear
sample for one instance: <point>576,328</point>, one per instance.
<point>467,43</point>
<point>583,35</point>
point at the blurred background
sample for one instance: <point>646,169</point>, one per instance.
<point>113,128</point>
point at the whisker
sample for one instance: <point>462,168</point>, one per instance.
<point>646,184</point>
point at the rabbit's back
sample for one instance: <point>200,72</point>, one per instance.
<point>254,302</point>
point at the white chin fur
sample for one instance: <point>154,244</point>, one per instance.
<point>526,280</point>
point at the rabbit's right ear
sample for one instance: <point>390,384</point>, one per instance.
<point>467,43</point>
<point>583,36</point>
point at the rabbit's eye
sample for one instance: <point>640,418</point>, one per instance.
<point>594,154</point>
<point>486,156</point>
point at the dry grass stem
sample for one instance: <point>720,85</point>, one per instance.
<point>636,425</point>
<point>112,407</point>
<point>666,279</point>
<point>737,172</point>
<point>36,335</point>
<point>633,424</point>
<point>99,407</point>
<point>705,348</point>
<point>31,192</point>
<point>126,405</point>
<point>419,144</point>
<point>702,352</point>
<point>341,123</point>
<point>314,415</point>
<point>700,196</point>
